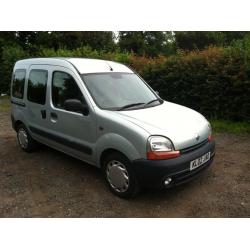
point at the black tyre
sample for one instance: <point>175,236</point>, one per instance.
<point>24,139</point>
<point>120,176</point>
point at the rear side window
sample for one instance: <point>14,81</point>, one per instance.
<point>18,83</point>
<point>37,86</point>
<point>64,87</point>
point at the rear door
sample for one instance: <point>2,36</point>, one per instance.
<point>36,99</point>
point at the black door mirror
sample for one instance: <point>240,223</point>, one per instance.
<point>76,105</point>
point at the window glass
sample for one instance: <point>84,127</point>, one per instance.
<point>64,87</point>
<point>115,90</point>
<point>37,86</point>
<point>18,83</point>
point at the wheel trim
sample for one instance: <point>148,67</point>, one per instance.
<point>22,138</point>
<point>117,176</point>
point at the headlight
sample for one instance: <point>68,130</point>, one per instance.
<point>160,143</point>
<point>160,148</point>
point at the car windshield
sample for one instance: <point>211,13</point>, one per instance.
<point>119,91</point>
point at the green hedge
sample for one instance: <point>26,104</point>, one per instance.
<point>9,56</point>
<point>215,82</point>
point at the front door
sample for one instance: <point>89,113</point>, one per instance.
<point>71,132</point>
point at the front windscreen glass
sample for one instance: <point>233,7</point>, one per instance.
<point>119,91</point>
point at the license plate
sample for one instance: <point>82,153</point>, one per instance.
<point>199,161</point>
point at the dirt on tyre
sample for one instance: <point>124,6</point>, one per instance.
<point>119,175</point>
<point>25,141</point>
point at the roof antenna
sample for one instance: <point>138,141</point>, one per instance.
<point>111,69</point>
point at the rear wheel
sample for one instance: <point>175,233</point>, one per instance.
<point>24,139</point>
<point>120,176</point>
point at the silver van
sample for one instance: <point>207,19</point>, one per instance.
<point>106,115</point>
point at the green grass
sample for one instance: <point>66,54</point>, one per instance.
<point>4,103</point>
<point>230,127</point>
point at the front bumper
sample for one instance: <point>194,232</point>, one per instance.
<point>153,173</point>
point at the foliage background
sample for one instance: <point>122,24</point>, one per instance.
<point>206,71</point>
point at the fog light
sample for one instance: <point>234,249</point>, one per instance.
<point>167,181</point>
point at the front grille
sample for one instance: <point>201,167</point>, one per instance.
<point>188,175</point>
<point>189,149</point>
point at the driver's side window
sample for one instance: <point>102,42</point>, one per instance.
<point>64,87</point>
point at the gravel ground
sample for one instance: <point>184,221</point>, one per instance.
<point>48,183</point>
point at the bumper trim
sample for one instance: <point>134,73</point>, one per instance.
<point>153,173</point>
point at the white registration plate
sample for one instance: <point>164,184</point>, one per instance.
<point>199,161</point>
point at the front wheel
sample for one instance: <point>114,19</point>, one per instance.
<point>120,176</point>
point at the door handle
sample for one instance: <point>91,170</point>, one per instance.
<point>53,117</point>
<point>43,113</point>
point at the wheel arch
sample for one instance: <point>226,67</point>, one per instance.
<point>115,143</point>
<point>108,151</point>
<point>17,123</point>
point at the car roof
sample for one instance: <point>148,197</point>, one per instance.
<point>82,65</point>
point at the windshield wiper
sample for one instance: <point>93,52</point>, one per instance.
<point>130,105</point>
<point>152,101</point>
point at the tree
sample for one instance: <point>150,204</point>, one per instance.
<point>131,41</point>
<point>191,40</point>
<point>149,43</point>
<point>7,38</point>
<point>97,40</point>
<point>159,43</point>
<point>231,36</point>
<point>26,38</point>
